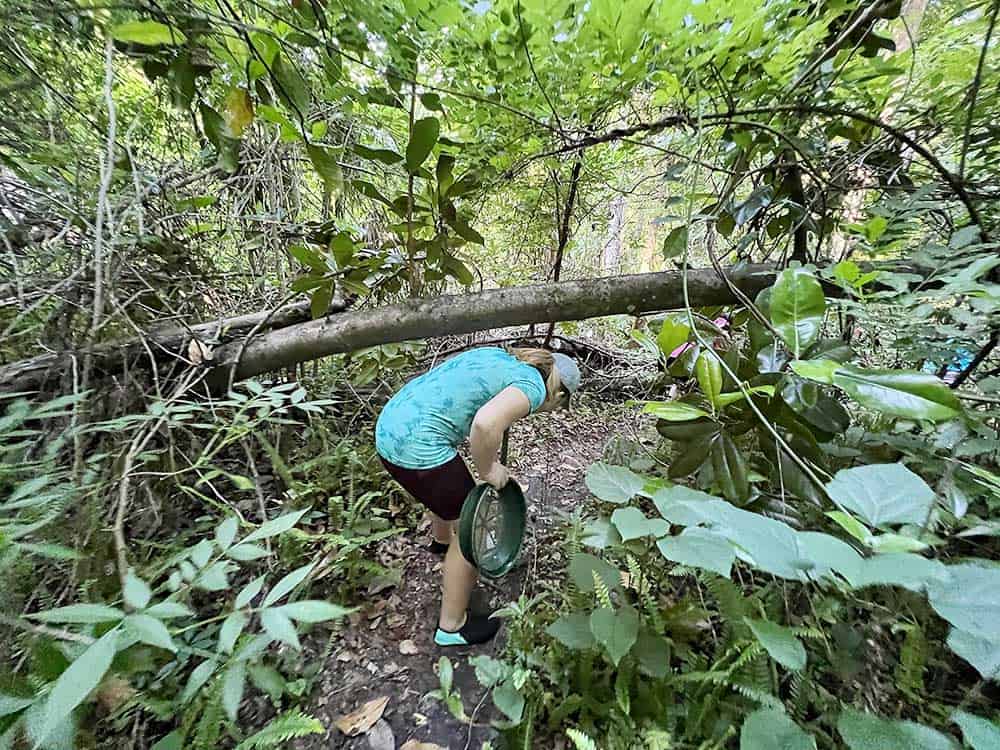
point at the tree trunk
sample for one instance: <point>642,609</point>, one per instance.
<point>611,255</point>
<point>497,308</point>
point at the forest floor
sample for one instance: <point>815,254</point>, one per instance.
<point>386,650</point>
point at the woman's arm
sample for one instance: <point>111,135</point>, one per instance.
<point>488,426</point>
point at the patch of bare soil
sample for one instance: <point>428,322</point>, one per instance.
<point>386,650</point>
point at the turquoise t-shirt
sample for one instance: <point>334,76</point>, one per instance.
<point>424,423</point>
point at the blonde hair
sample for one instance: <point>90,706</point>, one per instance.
<point>541,360</point>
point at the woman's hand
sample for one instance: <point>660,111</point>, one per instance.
<point>497,476</point>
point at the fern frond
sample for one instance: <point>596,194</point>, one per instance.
<point>580,740</point>
<point>800,693</point>
<point>286,727</point>
<point>601,590</point>
<point>758,696</point>
<point>209,729</point>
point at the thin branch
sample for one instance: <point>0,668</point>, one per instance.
<point>976,83</point>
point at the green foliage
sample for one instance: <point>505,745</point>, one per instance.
<point>769,729</point>
<point>281,730</point>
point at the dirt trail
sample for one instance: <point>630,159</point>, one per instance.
<point>386,650</point>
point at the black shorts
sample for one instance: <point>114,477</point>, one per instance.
<point>441,489</point>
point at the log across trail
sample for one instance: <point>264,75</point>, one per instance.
<point>340,332</point>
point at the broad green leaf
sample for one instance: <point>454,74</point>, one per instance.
<point>238,112</point>
<point>851,525</point>
<point>446,674</point>
<point>632,523</point>
<point>169,610</point>
<point>199,676</point>
<point>11,704</point>
<point>214,578</point>
<point>613,484</point>
<point>314,610</point>
<point>699,548</point>
<point>676,242</point>
<point>287,583</point>
<point>267,679</point>
<point>725,399</point>
<point>172,741</point>
<point>899,393</point>
<point>673,411</point>
<point>886,544</point>
<point>573,631</point>
<point>248,592</point>
<point>277,625</point>
<point>246,552</point>
<point>80,613</point>
<point>232,628</point>
<point>866,732</point>
<point>812,402</point>
<point>63,736</point>
<point>148,33</point>
<point>80,678</point>
<point>201,553</point>
<point>730,469</point>
<point>691,455</point>
<point>149,630</point>
<point>780,642</point>
<point>673,333</point>
<point>615,630</point>
<point>687,507</point>
<point>509,700</point>
<point>653,653</point>
<point>819,370</point>
<point>708,370</point>
<point>225,532</point>
<point>136,591</point>
<point>970,599</point>
<point>324,159</point>
<point>582,568</point>
<point>274,527</point>
<point>981,653</point>
<point>422,139</point>
<point>797,308</point>
<point>759,199</point>
<point>911,572</point>
<point>489,671</point>
<point>342,247</point>
<point>883,494</point>
<point>384,155</point>
<point>770,729</point>
<point>291,87</point>
<point>233,681</point>
<point>600,533</point>
<point>979,733</point>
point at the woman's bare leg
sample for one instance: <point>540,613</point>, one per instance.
<point>458,581</point>
<point>440,529</point>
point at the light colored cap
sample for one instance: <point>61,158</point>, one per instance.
<point>569,373</point>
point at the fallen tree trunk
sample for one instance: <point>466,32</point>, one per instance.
<point>166,344</point>
<point>289,342</point>
<point>497,308</point>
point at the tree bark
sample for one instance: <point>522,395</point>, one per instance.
<point>611,254</point>
<point>167,344</point>
<point>496,308</point>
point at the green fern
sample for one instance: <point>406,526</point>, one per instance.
<point>580,740</point>
<point>209,729</point>
<point>762,697</point>
<point>800,693</point>
<point>286,727</point>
